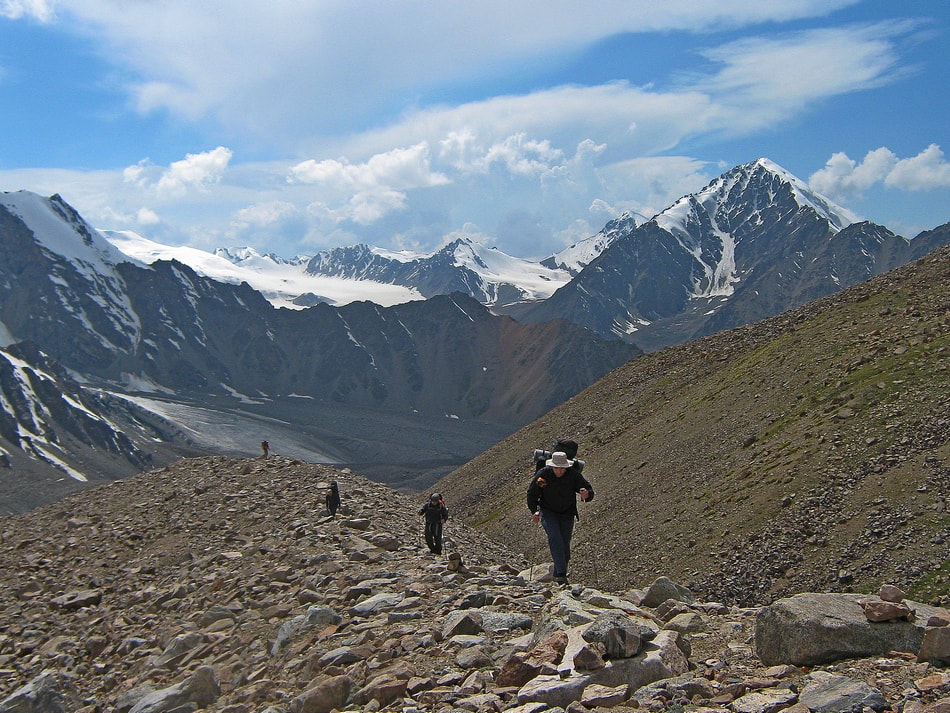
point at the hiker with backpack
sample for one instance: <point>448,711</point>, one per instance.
<point>333,498</point>
<point>435,514</point>
<point>551,500</point>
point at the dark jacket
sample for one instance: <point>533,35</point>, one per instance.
<point>333,497</point>
<point>435,511</point>
<point>548,492</point>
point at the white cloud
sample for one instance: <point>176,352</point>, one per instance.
<point>198,170</point>
<point>926,171</point>
<point>843,177</point>
<point>195,170</point>
<point>365,192</point>
<point>36,9</point>
<point>266,56</point>
<point>147,216</point>
<point>543,168</point>
<point>765,79</point>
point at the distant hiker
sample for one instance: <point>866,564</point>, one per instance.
<point>435,514</point>
<point>333,498</point>
<point>552,503</point>
<point>265,446</point>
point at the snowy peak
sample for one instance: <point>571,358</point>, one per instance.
<point>249,257</point>
<point>58,228</point>
<point>755,241</point>
<point>69,265</point>
<point>463,265</point>
<point>285,283</point>
<point>576,257</point>
<point>838,216</point>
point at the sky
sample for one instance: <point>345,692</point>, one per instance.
<point>295,126</point>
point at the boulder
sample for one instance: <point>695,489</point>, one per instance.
<point>809,629</point>
<point>664,588</point>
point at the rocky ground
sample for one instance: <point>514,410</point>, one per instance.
<point>220,584</point>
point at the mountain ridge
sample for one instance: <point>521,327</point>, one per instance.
<point>221,584</point>
<point>752,244</point>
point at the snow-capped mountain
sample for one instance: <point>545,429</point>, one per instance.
<point>390,383</point>
<point>49,244</point>
<point>285,283</point>
<point>485,273</point>
<point>361,272</point>
<point>754,242</point>
<point>576,257</point>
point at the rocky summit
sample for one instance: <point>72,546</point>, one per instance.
<point>223,584</point>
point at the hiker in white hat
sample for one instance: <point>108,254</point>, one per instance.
<point>552,502</point>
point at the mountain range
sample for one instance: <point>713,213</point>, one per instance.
<point>754,242</point>
<point>413,387</point>
<point>469,344</point>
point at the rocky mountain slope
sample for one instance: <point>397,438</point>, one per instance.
<point>219,584</point>
<point>753,243</point>
<point>805,451</point>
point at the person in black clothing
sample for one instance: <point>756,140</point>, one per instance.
<point>435,514</point>
<point>333,498</point>
<point>552,503</point>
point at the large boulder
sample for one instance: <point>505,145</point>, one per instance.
<point>810,629</point>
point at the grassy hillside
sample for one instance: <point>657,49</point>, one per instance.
<point>808,451</point>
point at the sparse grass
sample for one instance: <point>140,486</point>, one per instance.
<point>932,585</point>
<point>689,442</point>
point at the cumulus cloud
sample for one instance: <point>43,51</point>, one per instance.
<point>926,171</point>
<point>843,177</point>
<point>365,192</point>
<point>196,170</point>
<point>147,216</point>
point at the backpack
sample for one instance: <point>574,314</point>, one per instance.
<point>563,445</point>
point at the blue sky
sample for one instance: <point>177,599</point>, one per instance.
<point>297,125</point>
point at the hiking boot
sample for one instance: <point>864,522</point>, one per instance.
<point>560,579</point>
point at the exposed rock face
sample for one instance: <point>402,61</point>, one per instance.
<point>222,585</point>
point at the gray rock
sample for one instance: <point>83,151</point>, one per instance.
<point>664,588</point>
<point>201,689</point>
<point>825,692</point>
<point>935,647</point>
<point>47,693</point>
<point>810,629</point>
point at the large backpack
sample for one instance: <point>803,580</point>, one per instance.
<point>562,445</point>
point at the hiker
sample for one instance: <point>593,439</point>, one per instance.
<point>265,446</point>
<point>435,514</point>
<point>552,503</point>
<point>333,498</point>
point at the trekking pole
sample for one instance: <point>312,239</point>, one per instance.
<point>542,535</point>
<point>593,559</point>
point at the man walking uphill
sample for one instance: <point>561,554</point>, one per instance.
<point>435,514</point>
<point>552,503</point>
